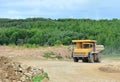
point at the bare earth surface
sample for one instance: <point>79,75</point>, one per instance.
<point>67,70</point>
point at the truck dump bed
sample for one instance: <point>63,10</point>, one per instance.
<point>99,48</point>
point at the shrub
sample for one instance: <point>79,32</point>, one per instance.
<point>48,55</point>
<point>58,43</point>
<point>59,57</point>
<point>40,78</point>
<point>31,45</point>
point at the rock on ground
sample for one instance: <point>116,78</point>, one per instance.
<point>16,72</point>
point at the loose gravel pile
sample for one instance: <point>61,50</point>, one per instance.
<point>16,72</point>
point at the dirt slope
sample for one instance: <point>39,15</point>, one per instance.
<point>34,52</point>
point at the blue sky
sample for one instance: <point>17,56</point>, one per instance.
<point>93,9</point>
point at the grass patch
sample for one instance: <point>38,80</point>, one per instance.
<point>31,45</point>
<point>49,55</point>
<point>40,78</point>
<point>59,57</point>
<point>11,45</point>
<point>24,46</point>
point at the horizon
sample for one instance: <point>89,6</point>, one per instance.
<point>59,18</point>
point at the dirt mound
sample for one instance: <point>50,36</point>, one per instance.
<point>16,72</point>
<point>110,68</point>
<point>18,51</point>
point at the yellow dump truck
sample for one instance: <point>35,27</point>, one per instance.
<point>86,50</point>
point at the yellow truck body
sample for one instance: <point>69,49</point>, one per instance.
<point>85,50</point>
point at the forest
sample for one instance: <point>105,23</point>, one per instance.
<point>50,32</point>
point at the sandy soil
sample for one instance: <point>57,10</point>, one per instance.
<point>68,71</point>
<point>65,71</point>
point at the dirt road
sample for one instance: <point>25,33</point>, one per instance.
<point>68,71</point>
<point>62,71</point>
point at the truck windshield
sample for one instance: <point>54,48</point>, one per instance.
<point>87,46</point>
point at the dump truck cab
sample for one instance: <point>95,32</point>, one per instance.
<point>85,50</point>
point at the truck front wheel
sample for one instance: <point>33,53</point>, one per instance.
<point>91,58</point>
<point>75,59</point>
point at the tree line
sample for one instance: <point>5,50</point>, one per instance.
<point>49,32</point>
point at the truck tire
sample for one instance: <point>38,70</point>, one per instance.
<point>98,59</point>
<point>72,51</point>
<point>72,54</point>
<point>91,58</point>
<point>84,60</point>
<point>75,59</point>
